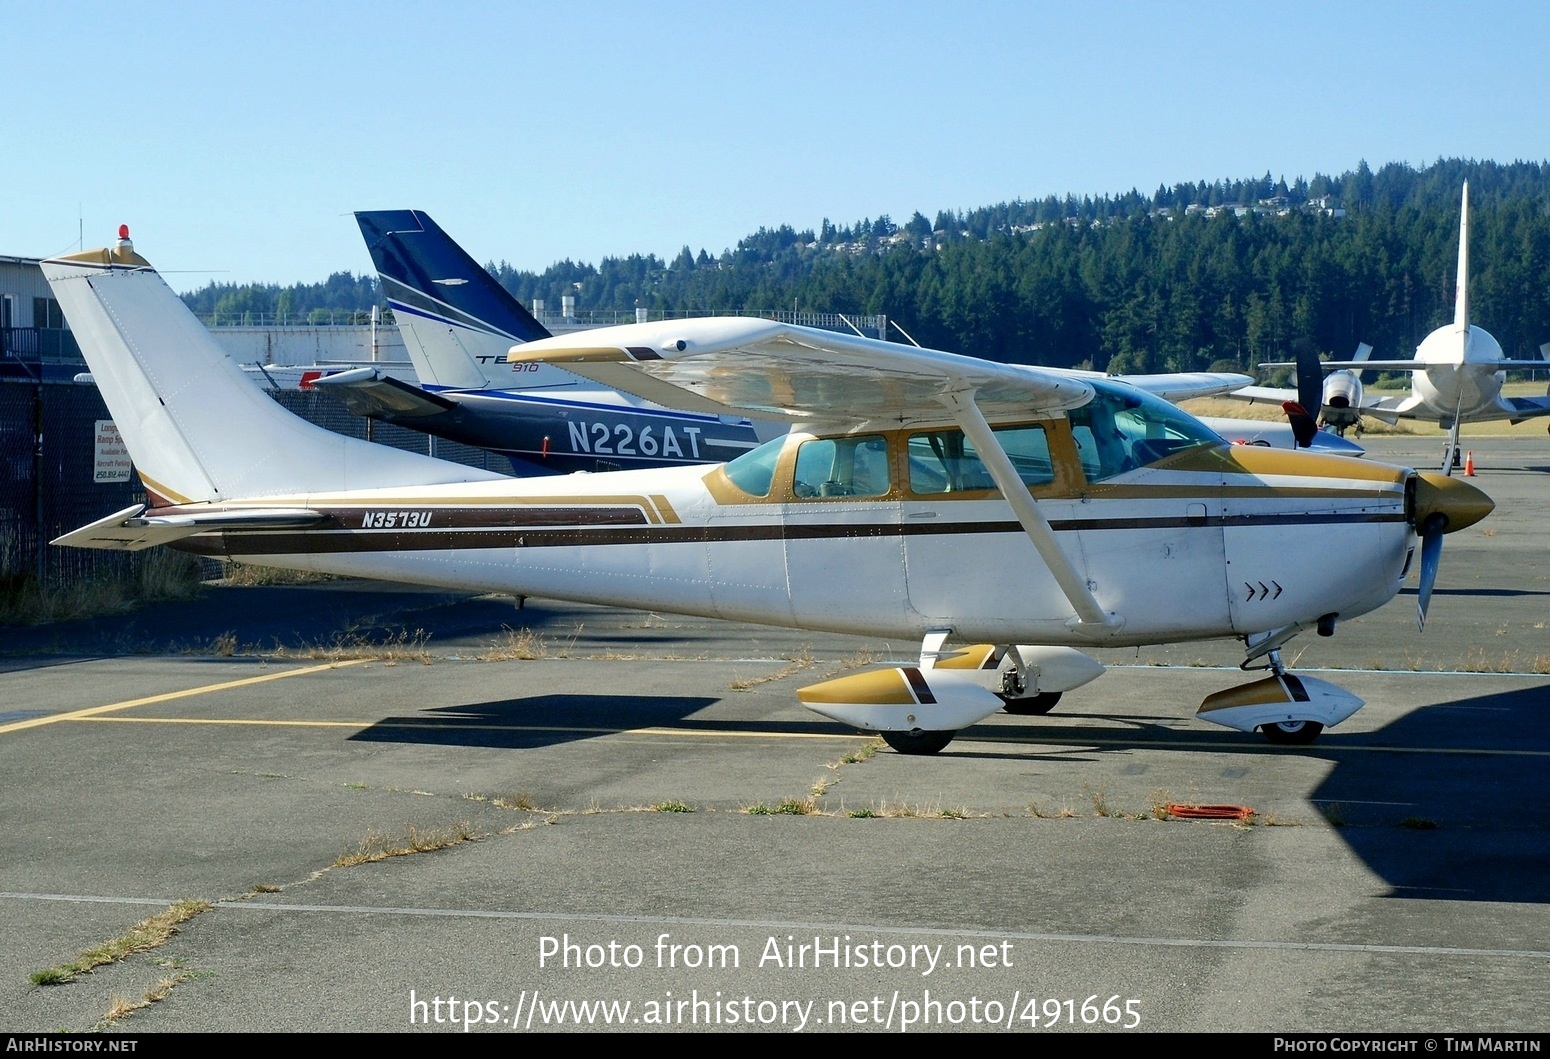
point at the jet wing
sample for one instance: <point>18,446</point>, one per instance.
<point>1388,409</point>
<point>1410,365</point>
<point>1176,386</point>
<point>1528,407</point>
<point>128,530</point>
<point>769,370</point>
<point>366,392</point>
<point>1276,395</point>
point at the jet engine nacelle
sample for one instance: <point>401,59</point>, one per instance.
<point>1342,399</point>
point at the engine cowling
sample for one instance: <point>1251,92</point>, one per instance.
<point>1342,399</point>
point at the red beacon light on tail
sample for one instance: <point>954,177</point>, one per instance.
<point>123,238</point>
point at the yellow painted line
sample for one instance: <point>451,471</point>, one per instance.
<point>446,727</point>
<point>95,712</point>
<point>1317,749</point>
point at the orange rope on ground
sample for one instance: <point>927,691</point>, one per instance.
<point>1210,812</point>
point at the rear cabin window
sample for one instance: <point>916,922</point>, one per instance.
<point>944,461</point>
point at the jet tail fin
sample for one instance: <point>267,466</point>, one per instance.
<point>1461,298</point>
<point>457,321</point>
<point>196,426</point>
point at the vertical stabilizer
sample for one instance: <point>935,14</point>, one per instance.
<point>196,427</point>
<point>457,321</point>
<point>1461,299</point>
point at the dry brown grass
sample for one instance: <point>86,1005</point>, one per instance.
<point>350,647</point>
<point>525,645</point>
<point>802,660</point>
<point>155,576</point>
<point>148,934</point>
<point>376,846</point>
<point>247,575</point>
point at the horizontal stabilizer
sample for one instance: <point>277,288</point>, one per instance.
<point>366,392</point>
<point>903,699</point>
<point>130,530</point>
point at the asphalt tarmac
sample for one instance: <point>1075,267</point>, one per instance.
<point>418,810</point>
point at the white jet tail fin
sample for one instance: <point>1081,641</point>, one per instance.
<point>196,427</point>
<point>1461,299</point>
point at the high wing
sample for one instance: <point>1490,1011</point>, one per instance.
<point>772,370</point>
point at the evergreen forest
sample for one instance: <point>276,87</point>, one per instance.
<point>1207,275</point>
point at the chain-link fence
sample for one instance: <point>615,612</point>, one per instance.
<point>58,472</point>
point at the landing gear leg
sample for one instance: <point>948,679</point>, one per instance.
<point>1450,455</point>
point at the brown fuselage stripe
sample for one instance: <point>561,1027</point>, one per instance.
<point>596,534</point>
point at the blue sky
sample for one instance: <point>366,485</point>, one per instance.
<point>236,138</point>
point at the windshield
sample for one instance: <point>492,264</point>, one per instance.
<point>754,471</point>
<point>1123,428</point>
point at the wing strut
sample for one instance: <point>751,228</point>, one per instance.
<point>1070,580</point>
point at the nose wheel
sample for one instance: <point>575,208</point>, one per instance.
<point>1292,733</point>
<point>1032,705</point>
<point>917,742</point>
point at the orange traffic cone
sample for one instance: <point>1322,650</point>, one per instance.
<point>1469,464</point>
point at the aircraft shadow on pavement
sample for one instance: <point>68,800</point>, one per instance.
<point>1448,802</point>
<point>1410,590</point>
<point>543,720</point>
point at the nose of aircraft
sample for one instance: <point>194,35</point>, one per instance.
<point>1459,504</point>
<point>1442,505</point>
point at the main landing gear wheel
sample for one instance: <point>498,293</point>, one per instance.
<point>1041,703</point>
<point>917,742</point>
<point>1292,733</point>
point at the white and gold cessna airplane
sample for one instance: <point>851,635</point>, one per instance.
<point>1006,517</point>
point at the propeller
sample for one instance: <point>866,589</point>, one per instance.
<point>1305,427</point>
<point>1442,505</point>
<point>1310,382</point>
<point>1431,559</point>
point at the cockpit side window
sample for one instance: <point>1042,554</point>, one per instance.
<point>944,461</point>
<point>1120,430</point>
<point>848,466</point>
